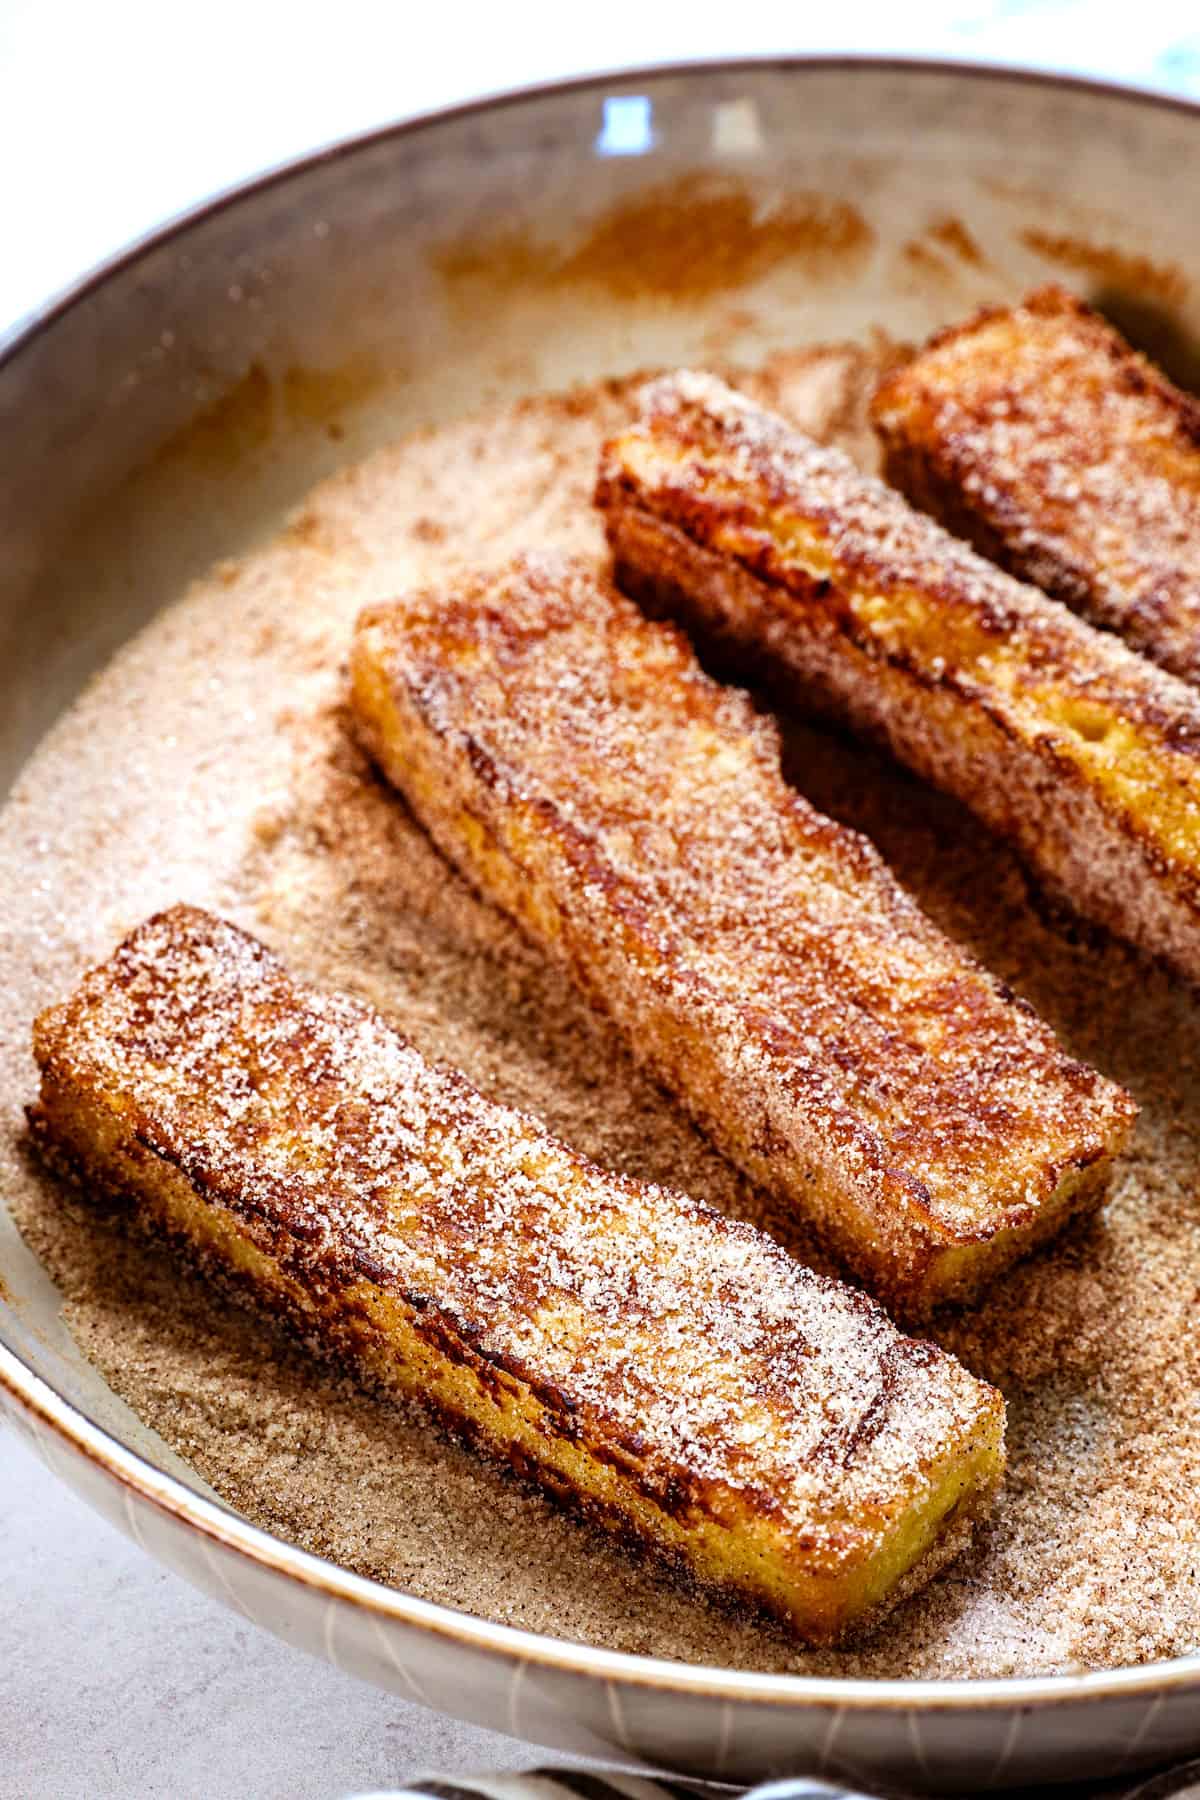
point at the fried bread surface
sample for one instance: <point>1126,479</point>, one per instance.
<point>782,557</point>
<point>630,813</point>
<point>671,1371</point>
<point>1039,434</point>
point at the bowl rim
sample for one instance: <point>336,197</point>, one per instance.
<point>34,1397</point>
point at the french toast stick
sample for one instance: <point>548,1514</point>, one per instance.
<point>575,762</point>
<point>781,556</point>
<point>1040,435</point>
<point>668,1370</point>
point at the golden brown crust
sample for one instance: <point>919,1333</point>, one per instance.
<point>630,813</point>
<point>1040,435</point>
<point>668,1369</point>
<point>1057,735</point>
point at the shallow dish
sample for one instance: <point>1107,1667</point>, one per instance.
<point>170,409</point>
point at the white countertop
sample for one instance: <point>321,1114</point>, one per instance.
<point>116,1679</point>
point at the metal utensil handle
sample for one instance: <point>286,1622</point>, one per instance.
<point>1182,1783</point>
<point>587,1784</point>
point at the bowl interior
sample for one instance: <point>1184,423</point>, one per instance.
<point>172,410</point>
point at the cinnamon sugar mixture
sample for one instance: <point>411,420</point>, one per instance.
<point>210,764</point>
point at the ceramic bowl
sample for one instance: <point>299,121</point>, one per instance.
<point>174,404</point>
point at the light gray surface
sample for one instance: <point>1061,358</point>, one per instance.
<point>117,1679</point>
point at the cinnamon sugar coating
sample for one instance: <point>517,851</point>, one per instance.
<point>782,555</point>
<point>1039,434</point>
<point>578,765</point>
<point>664,1366</point>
